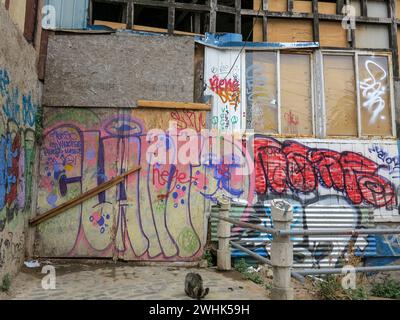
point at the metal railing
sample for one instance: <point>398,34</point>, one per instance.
<point>282,247</point>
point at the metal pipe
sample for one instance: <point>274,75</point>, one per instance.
<point>352,232</point>
<point>256,256</point>
<point>305,272</point>
<point>245,224</point>
<point>251,253</point>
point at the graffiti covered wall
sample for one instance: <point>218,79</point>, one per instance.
<point>19,99</point>
<point>157,214</point>
<point>332,183</point>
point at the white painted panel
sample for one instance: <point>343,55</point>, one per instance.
<point>372,36</point>
<point>377,9</point>
<point>223,78</point>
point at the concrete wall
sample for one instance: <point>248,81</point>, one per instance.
<point>117,70</point>
<point>19,99</point>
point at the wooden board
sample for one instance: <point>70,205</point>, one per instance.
<point>326,7</point>
<point>275,6</point>
<point>302,6</point>
<point>287,30</point>
<point>117,25</point>
<point>398,9</point>
<point>173,105</point>
<point>332,34</point>
<point>296,104</point>
<point>340,96</point>
<point>113,25</point>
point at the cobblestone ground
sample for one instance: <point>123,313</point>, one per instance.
<point>108,281</point>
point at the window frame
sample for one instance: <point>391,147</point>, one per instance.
<point>355,54</point>
<point>278,52</point>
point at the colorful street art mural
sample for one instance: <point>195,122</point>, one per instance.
<point>17,139</point>
<point>156,214</point>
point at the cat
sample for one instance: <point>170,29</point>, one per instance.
<point>194,286</point>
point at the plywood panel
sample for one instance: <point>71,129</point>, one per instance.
<point>332,34</point>
<point>296,104</point>
<point>146,69</point>
<point>286,30</point>
<point>398,9</point>
<point>326,7</point>
<point>258,31</point>
<point>340,95</point>
<point>275,5</point>
<point>302,6</point>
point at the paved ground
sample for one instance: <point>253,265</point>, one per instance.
<point>122,281</point>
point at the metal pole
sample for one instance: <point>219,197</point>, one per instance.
<point>352,232</point>
<point>263,260</point>
<point>245,224</point>
<point>281,251</point>
<point>252,254</point>
<point>305,272</point>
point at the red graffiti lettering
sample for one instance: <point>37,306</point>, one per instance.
<point>227,89</point>
<point>291,165</point>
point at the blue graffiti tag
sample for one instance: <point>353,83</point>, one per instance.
<point>6,158</point>
<point>28,110</point>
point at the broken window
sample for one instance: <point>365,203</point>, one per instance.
<point>108,11</point>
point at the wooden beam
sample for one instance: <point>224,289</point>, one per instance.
<point>393,38</point>
<point>30,20</point>
<point>82,198</point>
<point>364,10</point>
<point>173,105</point>
<point>315,21</point>
<point>238,16</point>
<point>290,6</point>
<point>130,15</point>
<point>339,6</point>
<point>171,17</point>
<point>212,28</point>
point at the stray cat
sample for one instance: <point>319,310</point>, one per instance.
<point>194,286</point>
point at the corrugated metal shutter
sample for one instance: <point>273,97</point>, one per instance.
<point>312,251</point>
<point>70,14</point>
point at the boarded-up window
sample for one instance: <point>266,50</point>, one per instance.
<point>261,90</point>
<point>332,34</point>
<point>286,30</point>
<point>374,95</point>
<point>296,103</point>
<point>340,95</point>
